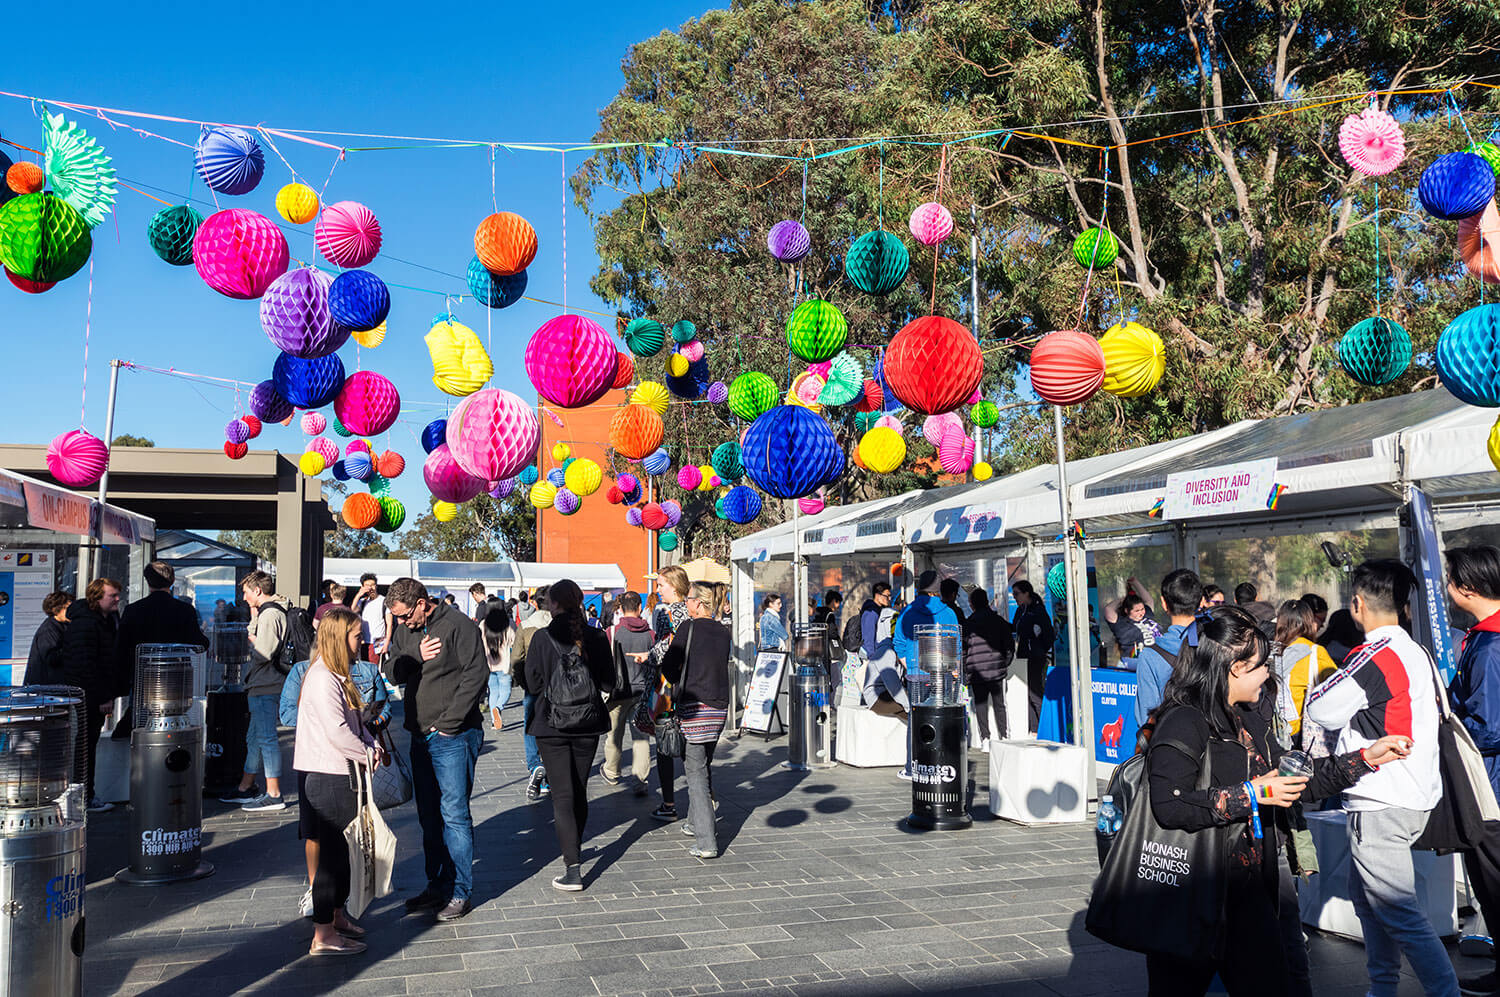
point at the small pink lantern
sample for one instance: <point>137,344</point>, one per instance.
<point>974,397</point>
<point>689,477</point>
<point>313,423</point>
<point>956,451</point>
<point>692,349</point>
<point>239,253</point>
<point>493,434</point>
<point>368,403</point>
<point>347,234</point>
<point>935,426</point>
<point>77,458</point>
<point>446,480</point>
<point>571,361</point>
<point>931,223</point>
<point>357,446</point>
<point>627,483</point>
<point>1371,142</point>
<point>811,505</point>
<point>326,447</point>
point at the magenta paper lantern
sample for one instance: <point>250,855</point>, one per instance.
<point>357,446</point>
<point>77,458</point>
<point>810,505</point>
<point>974,397</point>
<point>368,404</point>
<point>347,234</point>
<point>934,426</point>
<point>325,447</point>
<point>571,361</point>
<point>689,477</point>
<point>294,314</point>
<point>313,423</point>
<point>493,434</point>
<point>239,253</point>
<point>1371,142</point>
<point>446,480</point>
<point>268,404</point>
<point>627,483</point>
<point>692,349</point>
<point>931,223</point>
<point>236,431</point>
<point>633,516</point>
<point>956,451</point>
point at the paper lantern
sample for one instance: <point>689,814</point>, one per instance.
<point>956,451</point>
<point>447,480</point>
<point>229,160</point>
<point>557,477</point>
<point>460,364</point>
<point>635,431</point>
<point>655,463</point>
<point>368,404</point>
<point>1456,186</point>
<point>889,422</point>
<point>983,471</point>
<point>1468,356</point>
<point>347,234</point>
<point>505,243</point>
<point>653,516</point>
<point>370,338</point>
<point>571,361</point>
<point>295,317</point>
<point>29,286</point>
<point>43,238</point>
<point>877,262</point>
<point>1371,142</point>
<point>357,465</point>
<point>933,364</point>
<point>726,461</point>
<point>693,383</point>
<point>357,446</point>
<point>77,458</point>
<point>624,370</point>
<point>805,389</point>
<point>692,349</point>
<point>633,517</point>
<point>812,505</point>
<point>376,482</point>
<point>1057,580</point>
<point>816,330</point>
<point>1095,247</point>
<point>560,452</point>
<point>688,477</point>
<point>239,253</point>
<point>5,164</point>
<point>391,464</point>
<point>1067,367</point>
<point>652,395</point>
<point>882,450</point>
<point>1375,351</point>
<point>311,463</point>
<point>871,397</point>
<point>493,434</point>
<point>684,331</point>
<point>752,393</point>
<point>718,393</point>
<point>667,541</point>
<point>677,365</point>
<point>1134,359</point>
<point>171,234</point>
<point>613,495</point>
<point>308,383</point>
<point>984,413</point>
<point>252,424</point>
<point>360,511</point>
<point>297,203</point>
<point>566,502</point>
<point>338,427</point>
<point>935,426</point>
<point>434,434</point>
<point>235,451</point>
<point>742,504</point>
<point>542,494</point>
<point>495,290</point>
<point>644,337</point>
<point>528,475</point>
<point>236,431</point>
<point>313,423</point>
<point>844,382</point>
<point>583,477</point>
<point>392,515</point>
<point>788,452</point>
<point>627,483</point>
<point>707,479</point>
<point>325,447</point>
<point>1493,446</point>
<point>268,404</point>
<point>359,300</point>
<point>78,169</point>
<point>788,241</point>
<point>25,178</point>
<point>1479,243</point>
<point>444,512</point>
<point>931,223</point>
<point>503,488</point>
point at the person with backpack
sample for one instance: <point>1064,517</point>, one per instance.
<point>1300,666</point>
<point>569,665</point>
<point>1181,597</point>
<point>270,660</point>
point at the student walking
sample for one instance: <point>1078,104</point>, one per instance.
<point>269,623</point>
<point>697,665</point>
<point>631,647</point>
<point>989,648</point>
<point>673,586</point>
<point>499,635</point>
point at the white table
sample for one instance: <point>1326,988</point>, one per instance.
<point>1039,782</point>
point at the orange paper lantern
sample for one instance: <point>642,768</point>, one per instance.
<point>505,243</point>
<point>391,464</point>
<point>25,178</point>
<point>361,511</point>
<point>1479,244</point>
<point>635,431</point>
<point>1067,367</point>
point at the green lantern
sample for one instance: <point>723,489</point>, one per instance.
<point>816,330</point>
<point>644,337</point>
<point>846,381</point>
<point>379,486</point>
<point>43,238</point>
<point>1095,246</point>
<point>392,515</point>
<point>984,413</point>
<point>877,263</point>
<point>667,541</point>
<point>865,421</point>
<point>1375,351</point>
<point>751,394</point>
<point>1057,580</point>
<point>684,332</point>
<point>726,461</point>
<point>338,427</point>
<point>719,509</point>
<point>171,234</point>
<point>1489,151</point>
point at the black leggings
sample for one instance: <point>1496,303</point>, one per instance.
<point>1036,679</point>
<point>334,805</point>
<point>666,775</point>
<point>567,761</point>
<point>987,691</point>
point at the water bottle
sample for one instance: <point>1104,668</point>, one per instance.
<point>1107,823</point>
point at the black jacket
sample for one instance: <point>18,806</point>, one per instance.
<point>1034,633</point>
<point>835,647</point>
<point>160,618</point>
<point>443,693</point>
<point>88,653</point>
<point>542,657</point>
<point>707,667</point>
<point>989,645</point>
<point>633,636</point>
<point>44,665</point>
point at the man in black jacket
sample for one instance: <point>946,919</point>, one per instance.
<point>989,648</point>
<point>44,662</point>
<point>89,662</point>
<point>631,640</point>
<point>438,654</point>
<point>159,618</point>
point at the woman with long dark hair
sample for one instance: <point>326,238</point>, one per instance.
<point>498,638</point>
<point>567,666</point>
<point>1300,666</point>
<point>773,632</point>
<point>1216,703</point>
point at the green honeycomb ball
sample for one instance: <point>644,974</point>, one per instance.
<point>43,238</point>
<point>816,330</point>
<point>751,394</point>
<point>1096,246</point>
<point>984,413</point>
<point>171,234</point>
<point>644,337</point>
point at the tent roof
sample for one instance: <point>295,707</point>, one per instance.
<point>775,541</point>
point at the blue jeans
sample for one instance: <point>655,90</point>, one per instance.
<point>262,750</point>
<point>442,777</point>
<point>533,757</point>
<point>1385,889</point>
<point>499,689</point>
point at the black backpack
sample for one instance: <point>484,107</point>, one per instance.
<point>297,641</point>
<point>853,637</point>
<point>573,704</point>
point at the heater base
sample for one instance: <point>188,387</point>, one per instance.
<point>201,871</point>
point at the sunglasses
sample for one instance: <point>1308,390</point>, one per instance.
<point>403,617</point>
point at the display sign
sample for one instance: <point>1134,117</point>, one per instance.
<point>1114,715</point>
<point>978,522</point>
<point>1217,491</point>
<point>765,686</point>
<point>839,539</point>
<point>25,580</point>
<point>63,512</point>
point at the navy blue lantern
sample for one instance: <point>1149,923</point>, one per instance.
<point>340,470</point>
<point>359,300</point>
<point>1456,186</point>
<point>790,451</point>
<point>694,383</point>
<point>310,383</point>
<point>1468,356</point>
<point>741,504</point>
<point>435,434</point>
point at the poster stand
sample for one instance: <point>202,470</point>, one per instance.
<point>763,698</point>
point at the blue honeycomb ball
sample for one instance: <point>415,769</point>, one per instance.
<point>340,470</point>
<point>308,383</point>
<point>1375,351</point>
<point>694,383</point>
<point>742,504</point>
<point>1468,356</point>
<point>657,462</point>
<point>359,300</point>
<point>1057,580</point>
<point>790,451</point>
<point>435,434</point>
<point>557,476</point>
<point>494,290</point>
<point>1456,186</point>
<point>358,466</point>
<point>529,475</point>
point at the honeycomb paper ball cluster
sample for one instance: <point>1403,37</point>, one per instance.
<point>493,434</point>
<point>1375,351</point>
<point>347,234</point>
<point>933,364</point>
<point>495,290</point>
<point>877,262</point>
<point>571,361</point>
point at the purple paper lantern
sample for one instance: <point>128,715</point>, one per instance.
<point>566,502</point>
<point>236,431</point>
<point>268,404</point>
<point>502,488</point>
<point>718,393</point>
<point>788,241</point>
<point>633,515</point>
<point>294,314</point>
<point>673,511</point>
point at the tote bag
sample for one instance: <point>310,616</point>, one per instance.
<point>1162,890</point>
<point>372,848</point>
<point>390,782</point>
<point>1468,800</point>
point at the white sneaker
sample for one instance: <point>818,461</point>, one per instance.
<point>984,745</point>
<point>305,906</point>
<point>904,775</point>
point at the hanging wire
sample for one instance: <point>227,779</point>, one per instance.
<point>88,321</point>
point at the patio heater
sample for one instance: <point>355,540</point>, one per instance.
<point>809,736</point>
<point>940,747</point>
<point>228,711</point>
<point>42,822</point>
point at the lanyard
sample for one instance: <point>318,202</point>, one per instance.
<point>1255,828</point>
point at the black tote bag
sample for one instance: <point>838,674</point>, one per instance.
<point>1162,890</point>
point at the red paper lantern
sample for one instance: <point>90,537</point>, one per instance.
<point>871,398</point>
<point>624,370</point>
<point>253,423</point>
<point>614,495</point>
<point>31,286</point>
<point>361,510</point>
<point>390,464</point>
<point>1067,367</point>
<point>654,517</point>
<point>235,451</point>
<point>933,365</point>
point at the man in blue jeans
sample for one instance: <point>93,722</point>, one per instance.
<point>263,678</point>
<point>536,782</point>
<point>438,654</point>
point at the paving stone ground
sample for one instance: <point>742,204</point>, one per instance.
<point>819,890</point>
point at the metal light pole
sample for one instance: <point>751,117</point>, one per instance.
<point>1078,620</point>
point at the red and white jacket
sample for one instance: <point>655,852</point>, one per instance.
<point>1385,687</point>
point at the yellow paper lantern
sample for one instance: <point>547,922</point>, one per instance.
<point>460,365</point>
<point>706,479</point>
<point>882,449</point>
<point>653,395</point>
<point>297,203</point>
<point>982,471</point>
<point>677,365</point>
<point>542,493</point>
<point>444,512</point>
<point>583,476</point>
<point>1134,359</point>
<point>312,463</point>
<point>1494,446</point>
<point>371,338</point>
<point>561,452</point>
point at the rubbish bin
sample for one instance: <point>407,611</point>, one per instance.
<point>940,747</point>
<point>809,736</point>
<point>42,822</point>
<point>228,711</point>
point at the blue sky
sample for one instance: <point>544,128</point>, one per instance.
<point>496,72</point>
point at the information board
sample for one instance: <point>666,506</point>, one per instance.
<point>25,580</point>
<point>1114,714</point>
<point>765,686</point>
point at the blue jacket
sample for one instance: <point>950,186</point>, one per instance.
<point>773,633</point>
<point>1153,672</point>
<point>366,679</point>
<point>925,608</point>
<point>1475,692</point>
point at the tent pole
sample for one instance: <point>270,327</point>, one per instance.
<point>1078,620</point>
